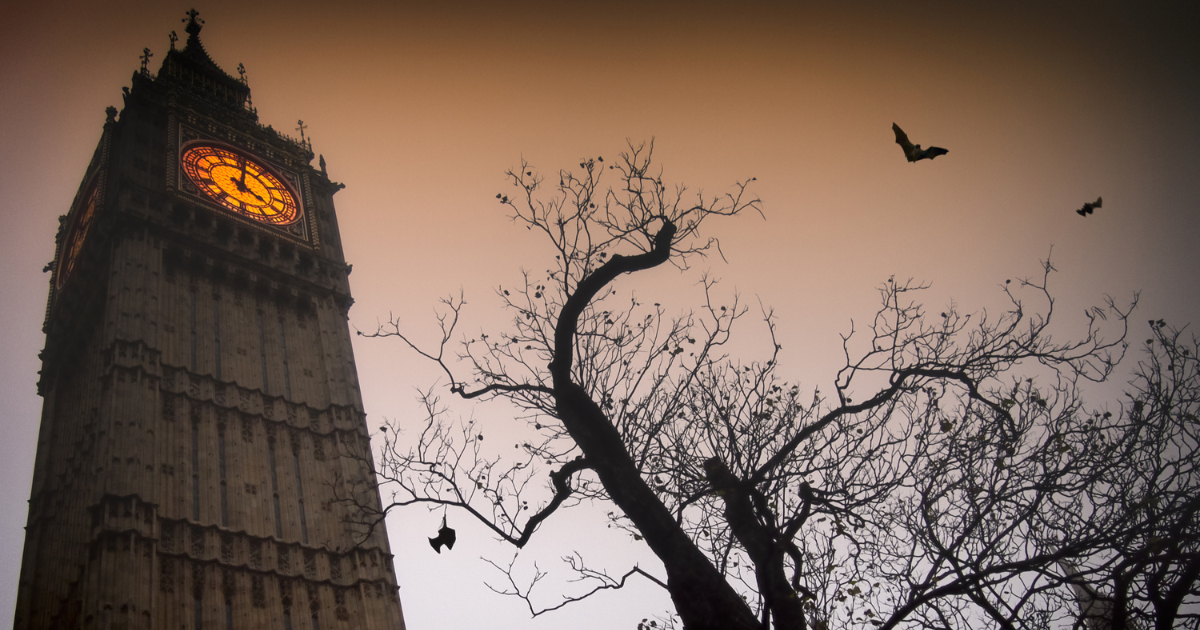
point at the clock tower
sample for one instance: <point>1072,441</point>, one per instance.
<point>203,458</point>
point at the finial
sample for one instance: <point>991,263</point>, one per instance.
<point>242,73</point>
<point>301,129</point>
<point>322,162</point>
<point>111,113</point>
<point>194,23</point>
<point>174,38</point>
<point>146,55</point>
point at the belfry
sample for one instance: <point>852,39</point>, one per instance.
<point>203,442</point>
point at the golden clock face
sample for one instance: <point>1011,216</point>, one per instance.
<point>79,229</point>
<point>239,184</point>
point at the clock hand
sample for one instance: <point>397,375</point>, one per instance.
<point>242,183</point>
<point>246,189</point>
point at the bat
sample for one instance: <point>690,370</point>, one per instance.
<point>1088,208</point>
<point>446,536</point>
<point>914,152</point>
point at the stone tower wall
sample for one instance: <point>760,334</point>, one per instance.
<point>203,457</point>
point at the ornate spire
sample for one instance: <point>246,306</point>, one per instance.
<point>194,24</point>
<point>194,49</point>
<point>192,70</point>
<point>146,55</point>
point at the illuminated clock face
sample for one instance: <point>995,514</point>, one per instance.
<point>239,184</point>
<point>79,229</point>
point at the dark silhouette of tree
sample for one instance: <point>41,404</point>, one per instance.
<point>1071,516</point>
<point>941,483</point>
<point>1149,494</point>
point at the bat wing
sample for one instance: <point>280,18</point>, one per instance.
<point>1089,208</point>
<point>446,536</point>
<point>933,152</point>
<point>902,140</point>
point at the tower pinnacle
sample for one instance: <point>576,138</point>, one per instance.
<point>194,24</point>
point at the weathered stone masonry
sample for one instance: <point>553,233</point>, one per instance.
<point>201,408</point>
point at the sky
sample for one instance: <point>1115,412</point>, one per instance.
<point>419,108</point>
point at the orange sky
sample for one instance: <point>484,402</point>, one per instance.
<point>419,109</point>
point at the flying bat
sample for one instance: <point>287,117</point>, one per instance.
<point>1088,208</point>
<point>914,152</point>
<point>445,536</point>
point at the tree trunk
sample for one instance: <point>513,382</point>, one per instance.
<point>759,542</point>
<point>703,599</point>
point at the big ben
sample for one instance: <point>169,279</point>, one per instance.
<point>203,456</point>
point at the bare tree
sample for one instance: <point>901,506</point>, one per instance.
<point>1151,497</point>
<point>1078,517</point>
<point>940,482</point>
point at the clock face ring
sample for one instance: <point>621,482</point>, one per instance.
<point>75,236</point>
<point>239,183</point>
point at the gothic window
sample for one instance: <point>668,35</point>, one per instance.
<point>314,606</point>
<point>198,550</point>
<point>192,322</point>
<point>168,408</point>
<point>299,489</point>
<point>228,587</point>
<point>262,352</point>
<point>258,592</point>
<point>195,463</point>
<point>216,311</point>
<point>221,466</point>
<point>167,542</point>
<point>310,564</point>
<point>340,610</point>
<point>287,374</point>
<point>274,486</point>
<point>198,595</point>
<point>166,575</point>
<point>285,560</point>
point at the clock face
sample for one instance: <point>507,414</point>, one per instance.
<point>239,183</point>
<point>79,229</point>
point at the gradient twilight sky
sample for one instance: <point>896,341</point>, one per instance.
<point>419,108</point>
